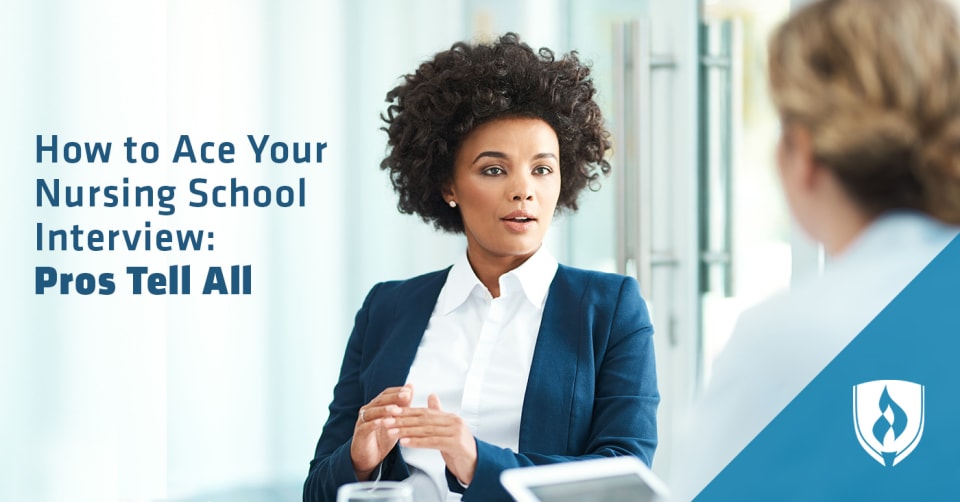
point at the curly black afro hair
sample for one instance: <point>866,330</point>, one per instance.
<point>447,97</point>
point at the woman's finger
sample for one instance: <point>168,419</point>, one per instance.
<point>412,417</point>
<point>431,442</point>
<point>440,425</point>
<point>371,413</point>
<point>393,395</point>
<point>386,403</point>
<point>408,412</point>
<point>428,430</point>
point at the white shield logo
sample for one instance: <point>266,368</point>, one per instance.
<point>888,418</point>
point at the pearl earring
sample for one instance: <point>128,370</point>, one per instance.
<point>453,203</point>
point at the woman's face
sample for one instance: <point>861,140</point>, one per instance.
<point>506,182</point>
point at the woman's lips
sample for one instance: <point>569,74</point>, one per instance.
<point>518,226</point>
<point>519,221</point>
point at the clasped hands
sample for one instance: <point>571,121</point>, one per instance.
<point>389,418</point>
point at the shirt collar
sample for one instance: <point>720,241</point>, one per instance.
<point>534,276</point>
<point>890,229</point>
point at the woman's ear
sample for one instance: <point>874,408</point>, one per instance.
<point>448,193</point>
<point>807,184</point>
<point>798,164</point>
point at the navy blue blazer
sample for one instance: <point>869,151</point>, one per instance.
<point>592,389</point>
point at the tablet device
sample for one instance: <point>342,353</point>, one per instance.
<point>616,479</point>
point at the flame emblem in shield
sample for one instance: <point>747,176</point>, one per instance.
<point>888,418</point>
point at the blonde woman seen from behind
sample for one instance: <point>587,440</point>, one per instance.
<point>868,92</point>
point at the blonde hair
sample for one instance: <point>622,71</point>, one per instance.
<point>877,84</point>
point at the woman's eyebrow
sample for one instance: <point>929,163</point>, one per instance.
<point>501,155</point>
<point>496,155</point>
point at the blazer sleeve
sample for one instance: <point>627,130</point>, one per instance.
<point>625,399</point>
<point>331,466</point>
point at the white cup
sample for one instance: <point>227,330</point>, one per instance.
<point>375,491</point>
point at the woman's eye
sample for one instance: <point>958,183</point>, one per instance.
<point>542,170</point>
<point>493,171</point>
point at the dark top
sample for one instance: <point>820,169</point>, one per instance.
<point>592,389</point>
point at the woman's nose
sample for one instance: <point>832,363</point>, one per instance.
<point>523,195</point>
<point>522,191</point>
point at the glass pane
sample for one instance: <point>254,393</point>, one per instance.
<point>592,232</point>
<point>745,242</point>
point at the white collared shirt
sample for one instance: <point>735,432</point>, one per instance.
<point>475,355</point>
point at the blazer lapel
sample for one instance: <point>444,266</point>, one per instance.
<point>546,415</point>
<point>414,302</point>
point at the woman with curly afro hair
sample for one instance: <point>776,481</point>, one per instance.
<point>506,358</point>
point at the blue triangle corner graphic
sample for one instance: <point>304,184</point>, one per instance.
<point>812,450</point>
